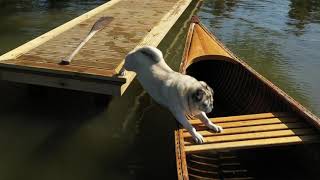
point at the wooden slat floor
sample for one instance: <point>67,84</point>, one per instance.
<point>251,131</point>
<point>135,23</point>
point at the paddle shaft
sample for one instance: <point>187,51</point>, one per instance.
<point>89,36</point>
<point>98,25</point>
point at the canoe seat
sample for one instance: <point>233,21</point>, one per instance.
<point>251,131</point>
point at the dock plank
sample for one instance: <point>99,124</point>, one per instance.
<point>146,22</point>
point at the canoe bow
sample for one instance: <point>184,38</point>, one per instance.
<point>202,45</point>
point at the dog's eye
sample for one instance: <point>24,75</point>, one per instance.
<point>198,95</point>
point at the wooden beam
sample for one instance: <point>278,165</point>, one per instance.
<point>57,81</point>
<point>158,32</point>
<point>250,129</point>
<point>245,117</point>
<point>253,143</point>
<point>253,122</point>
<point>256,135</point>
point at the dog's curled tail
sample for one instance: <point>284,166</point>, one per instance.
<point>153,53</point>
<point>135,59</point>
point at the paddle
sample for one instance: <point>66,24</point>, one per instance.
<point>98,25</point>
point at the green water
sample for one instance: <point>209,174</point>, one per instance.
<point>278,38</point>
<point>47,133</point>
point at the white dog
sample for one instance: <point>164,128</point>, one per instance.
<point>181,94</point>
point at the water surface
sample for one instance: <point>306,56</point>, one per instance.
<point>47,133</point>
<point>278,38</point>
<point>23,20</point>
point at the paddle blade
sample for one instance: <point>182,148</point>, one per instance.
<point>101,23</point>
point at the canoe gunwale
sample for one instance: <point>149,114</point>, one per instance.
<point>183,64</point>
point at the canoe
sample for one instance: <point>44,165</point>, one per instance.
<point>267,134</point>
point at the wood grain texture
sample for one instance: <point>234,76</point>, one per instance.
<point>181,156</point>
<point>253,143</point>
<point>257,135</point>
<point>244,117</point>
<point>146,22</point>
<point>110,45</point>
<point>255,122</point>
<point>249,129</point>
<point>253,131</point>
<point>99,86</point>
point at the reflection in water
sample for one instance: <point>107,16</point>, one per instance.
<point>257,31</point>
<point>47,133</point>
<point>23,20</point>
<point>219,9</point>
<point>303,12</point>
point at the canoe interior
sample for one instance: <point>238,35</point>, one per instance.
<point>236,90</point>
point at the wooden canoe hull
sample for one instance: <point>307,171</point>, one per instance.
<point>239,90</point>
<point>236,84</point>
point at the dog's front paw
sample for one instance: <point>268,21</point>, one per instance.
<point>198,138</point>
<point>215,128</point>
<point>122,72</point>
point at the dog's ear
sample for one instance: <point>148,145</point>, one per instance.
<point>198,95</point>
<point>205,85</point>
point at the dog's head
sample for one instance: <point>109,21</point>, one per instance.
<point>201,97</point>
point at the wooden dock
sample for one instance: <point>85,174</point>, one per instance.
<point>96,67</point>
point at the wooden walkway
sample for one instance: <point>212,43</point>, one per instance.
<point>251,131</point>
<point>95,68</point>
